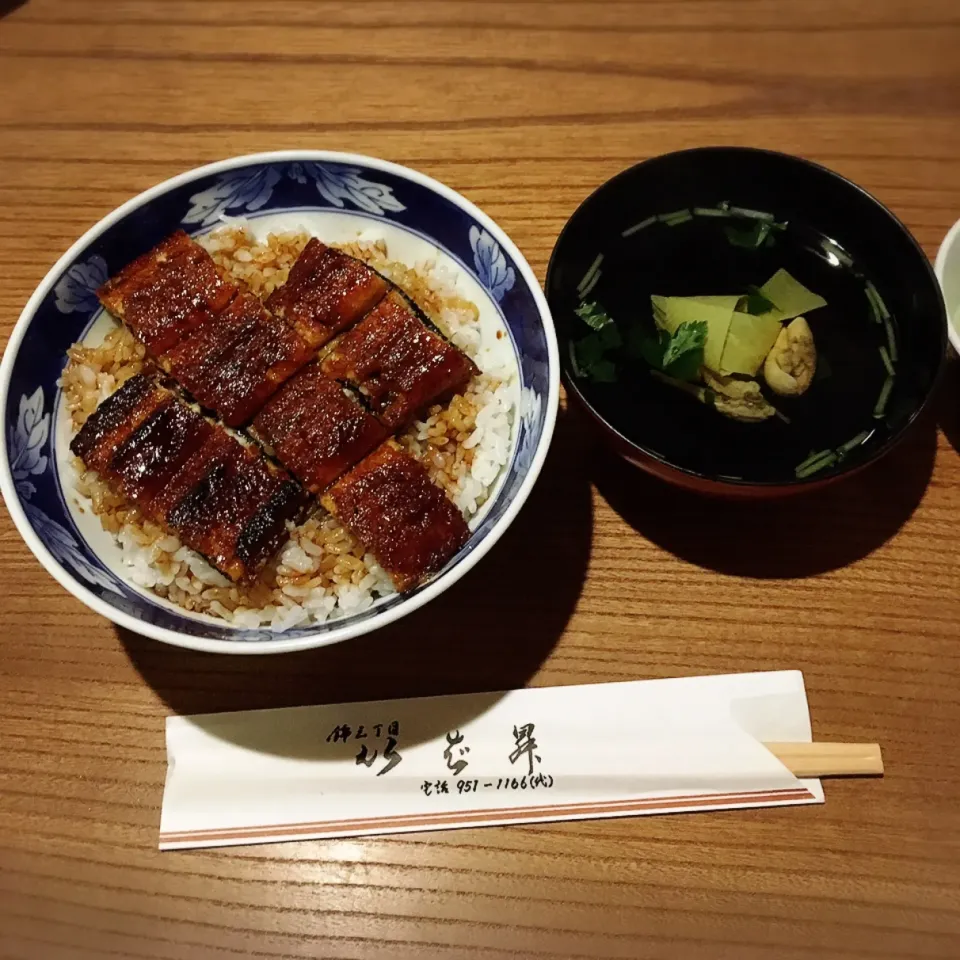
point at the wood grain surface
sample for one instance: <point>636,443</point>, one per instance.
<point>524,106</point>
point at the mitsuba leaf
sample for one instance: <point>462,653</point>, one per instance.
<point>589,351</point>
<point>593,315</point>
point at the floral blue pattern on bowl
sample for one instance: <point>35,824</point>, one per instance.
<point>61,310</point>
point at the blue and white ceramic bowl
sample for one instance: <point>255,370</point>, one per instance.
<point>336,193</point>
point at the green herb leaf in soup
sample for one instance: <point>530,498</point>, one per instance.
<point>641,346</point>
<point>683,356</point>
<point>789,296</point>
<point>589,351</point>
<point>714,311</point>
<point>752,237</point>
<point>603,371</point>
<point>678,353</point>
<point>610,337</point>
<point>593,315</point>
<point>755,302</point>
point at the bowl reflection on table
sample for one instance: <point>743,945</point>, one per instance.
<point>837,240</point>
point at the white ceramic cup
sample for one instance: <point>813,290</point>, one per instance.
<point>948,273</point>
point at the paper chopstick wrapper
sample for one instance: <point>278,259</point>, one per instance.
<point>550,753</point>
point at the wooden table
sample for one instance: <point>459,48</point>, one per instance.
<point>524,106</point>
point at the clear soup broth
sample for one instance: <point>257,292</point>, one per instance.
<point>696,257</point>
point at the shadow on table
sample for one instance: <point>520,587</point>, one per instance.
<point>948,405</point>
<point>8,6</point>
<point>489,632</point>
<point>798,536</point>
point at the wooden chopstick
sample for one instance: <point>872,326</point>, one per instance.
<point>829,759</point>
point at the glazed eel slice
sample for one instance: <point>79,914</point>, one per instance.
<point>392,506</point>
<point>317,428</point>
<point>220,498</point>
<point>397,363</point>
<point>326,292</point>
<point>219,343</point>
<point>235,361</point>
<point>167,292</point>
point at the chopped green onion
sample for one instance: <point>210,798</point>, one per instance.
<point>857,441</point>
<point>711,212</point>
<point>684,217</point>
<point>781,416</point>
<point>831,248</point>
<point>828,460</point>
<point>699,392</point>
<point>667,217</point>
<point>594,280</point>
<point>878,300</point>
<point>577,372</point>
<point>752,214</point>
<point>814,458</point>
<point>588,276</point>
<point>881,406</point>
<point>891,339</point>
<point>886,360</point>
<point>637,227</point>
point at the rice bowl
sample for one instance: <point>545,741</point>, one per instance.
<point>344,198</point>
